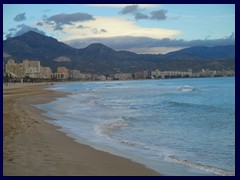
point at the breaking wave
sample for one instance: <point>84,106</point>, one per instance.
<point>199,166</point>
<point>186,88</point>
<point>107,127</point>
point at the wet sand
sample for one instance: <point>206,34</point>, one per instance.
<point>33,147</point>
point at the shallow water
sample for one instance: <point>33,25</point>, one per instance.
<point>176,126</point>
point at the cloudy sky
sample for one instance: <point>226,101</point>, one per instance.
<point>141,28</point>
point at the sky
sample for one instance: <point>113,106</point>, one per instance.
<point>140,28</point>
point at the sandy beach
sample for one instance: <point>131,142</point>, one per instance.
<point>33,147</point>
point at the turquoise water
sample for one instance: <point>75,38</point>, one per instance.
<point>175,126</point>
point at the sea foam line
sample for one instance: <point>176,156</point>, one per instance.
<point>199,166</point>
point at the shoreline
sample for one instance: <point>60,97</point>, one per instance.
<point>34,147</point>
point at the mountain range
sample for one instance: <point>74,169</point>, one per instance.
<point>98,58</point>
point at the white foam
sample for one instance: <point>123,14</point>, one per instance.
<point>186,88</point>
<point>107,127</point>
<point>199,166</point>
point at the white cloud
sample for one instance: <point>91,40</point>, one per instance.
<point>123,5</point>
<point>155,50</point>
<point>114,26</point>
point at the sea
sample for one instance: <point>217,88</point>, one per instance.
<point>177,127</point>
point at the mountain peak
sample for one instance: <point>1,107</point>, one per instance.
<point>33,45</point>
<point>99,48</point>
<point>32,33</point>
<point>99,58</point>
<point>32,36</point>
<point>207,52</point>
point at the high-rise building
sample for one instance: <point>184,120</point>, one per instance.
<point>27,68</point>
<point>62,73</point>
<point>14,69</point>
<point>32,68</point>
<point>45,72</point>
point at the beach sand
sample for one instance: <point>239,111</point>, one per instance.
<point>33,147</point>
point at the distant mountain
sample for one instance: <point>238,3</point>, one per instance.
<point>98,58</point>
<point>32,45</point>
<point>102,52</point>
<point>203,52</point>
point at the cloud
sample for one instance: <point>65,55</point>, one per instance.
<point>39,24</point>
<point>146,45</point>
<point>103,30</point>
<point>58,28</point>
<point>80,27</point>
<point>159,14</point>
<point>114,26</point>
<point>155,50</point>
<point>129,9</point>
<point>23,29</point>
<point>138,15</point>
<point>12,29</point>
<point>96,31</point>
<point>134,10</point>
<point>20,17</point>
<point>141,16</point>
<point>67,19</point>
<point>9,35</point>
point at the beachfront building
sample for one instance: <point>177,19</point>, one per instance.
<point>32,68</point>
<point>169,74</point>
<point>45,72</point>
<point>123,76</point>
<point>110,77</point>
<point>99,78</point>
<point>14,69</point>
<point>141,75</point>
<point>62,73</point>
<point>27,68</point>
<point>86,76</point>
<point>156,74</point>
<point>74,74</point>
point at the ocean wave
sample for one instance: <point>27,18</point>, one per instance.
<point>132,143</point>
<point>199,166</point>
<point>186,88</point>
<point>107,127</point>
<point>57,88</point>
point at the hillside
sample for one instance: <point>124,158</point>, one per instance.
<point>203,52</point>
<point>98,58</point>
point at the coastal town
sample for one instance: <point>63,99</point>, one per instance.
<point>32,71</point>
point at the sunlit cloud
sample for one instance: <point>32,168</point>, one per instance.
<point>103,27</point>
<point>155,50</point>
